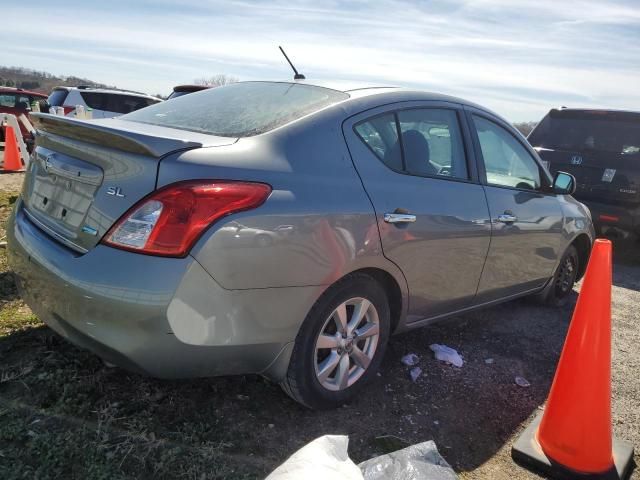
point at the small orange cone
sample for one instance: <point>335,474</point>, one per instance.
<point>573,436</point>
<point>12,162</point>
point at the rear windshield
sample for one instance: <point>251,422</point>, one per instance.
<point>239,110</point>
<point>615,132</point>
<point>176,94</point>
<point>57,97</point>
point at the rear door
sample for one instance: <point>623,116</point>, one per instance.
<point>432,214</point>
<point>526,218</point>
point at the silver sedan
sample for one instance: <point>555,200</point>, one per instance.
<point>285,229</point>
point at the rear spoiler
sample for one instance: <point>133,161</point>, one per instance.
<point>120,138</point>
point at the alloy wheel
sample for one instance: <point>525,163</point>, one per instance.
<point>346,344</point>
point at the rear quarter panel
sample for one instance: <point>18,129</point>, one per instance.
<point>318,223</point>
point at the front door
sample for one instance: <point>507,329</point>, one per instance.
<point>526,217</point>
<point>432,214</point>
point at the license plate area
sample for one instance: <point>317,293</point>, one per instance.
<point>60,191</point>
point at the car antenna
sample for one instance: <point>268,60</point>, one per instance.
<point>297,76</point>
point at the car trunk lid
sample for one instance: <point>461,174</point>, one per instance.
<point>84,175</point>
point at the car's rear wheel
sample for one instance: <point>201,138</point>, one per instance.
<point>559,291</point>
<point>340,344</point>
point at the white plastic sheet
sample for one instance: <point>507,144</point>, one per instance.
<point>417,462</point>
<point>326,458</point>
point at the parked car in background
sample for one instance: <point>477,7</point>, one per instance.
<point>181,90</point>
<point>16,101</point>
<point>103,102</point>
<point>601,148</point>
<point>285,229</point>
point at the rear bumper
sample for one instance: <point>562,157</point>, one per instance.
<point>164,317</point>
<point>607,216</point>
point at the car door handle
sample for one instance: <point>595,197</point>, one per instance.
<point>399,218</point>
<point>507,218</point>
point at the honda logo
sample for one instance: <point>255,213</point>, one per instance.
<point>576,160</point>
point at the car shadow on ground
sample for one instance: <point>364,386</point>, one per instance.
<point>8,290</point>
<point>471,412</point>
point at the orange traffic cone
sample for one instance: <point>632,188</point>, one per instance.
<point>572,438</point>
<point>12,162</point>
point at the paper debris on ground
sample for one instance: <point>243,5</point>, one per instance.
<point>410,359</point>
<point>522,382</point>
<point>447,354</point>
<point>414,373</point>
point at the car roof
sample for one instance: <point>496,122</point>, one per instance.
<point>596,110</point>
<point>381,95</point>
<point>115,91</point>
<point>22,90</point>
<point>190,88</point>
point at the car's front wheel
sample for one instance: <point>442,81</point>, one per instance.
<point>340,344</point>
<point>559,290</point>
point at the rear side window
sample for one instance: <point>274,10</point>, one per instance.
<point>114,102</point>
<point>239,110</point>
<point>589,130</point>
<point>22,102</point>
<point>127,103</point>
<point>506,161</point>
<point>94,100</point>
<point>431,142</point>
<point>57,98</point>
<point>381,136</point>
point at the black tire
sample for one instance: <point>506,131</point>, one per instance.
<point>301,382</point>
<point>558,292</point>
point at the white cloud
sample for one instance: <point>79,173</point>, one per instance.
<point>519,58</point>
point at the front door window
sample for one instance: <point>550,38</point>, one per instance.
<point>506,161</point>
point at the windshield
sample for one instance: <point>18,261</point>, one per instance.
<point>239,110</point>
<point>589,130</point>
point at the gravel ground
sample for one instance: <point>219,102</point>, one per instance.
<point>114,424</point>
<point>10,182</point>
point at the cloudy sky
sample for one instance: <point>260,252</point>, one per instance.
<point>517,57</point>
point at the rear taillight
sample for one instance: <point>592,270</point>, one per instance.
<point>169,221</point>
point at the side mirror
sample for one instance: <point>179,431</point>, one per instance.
<point>564,183</point>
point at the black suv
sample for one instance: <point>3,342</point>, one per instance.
<point>601,148</point>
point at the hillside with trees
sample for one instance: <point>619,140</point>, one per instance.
<point>35,80</point>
